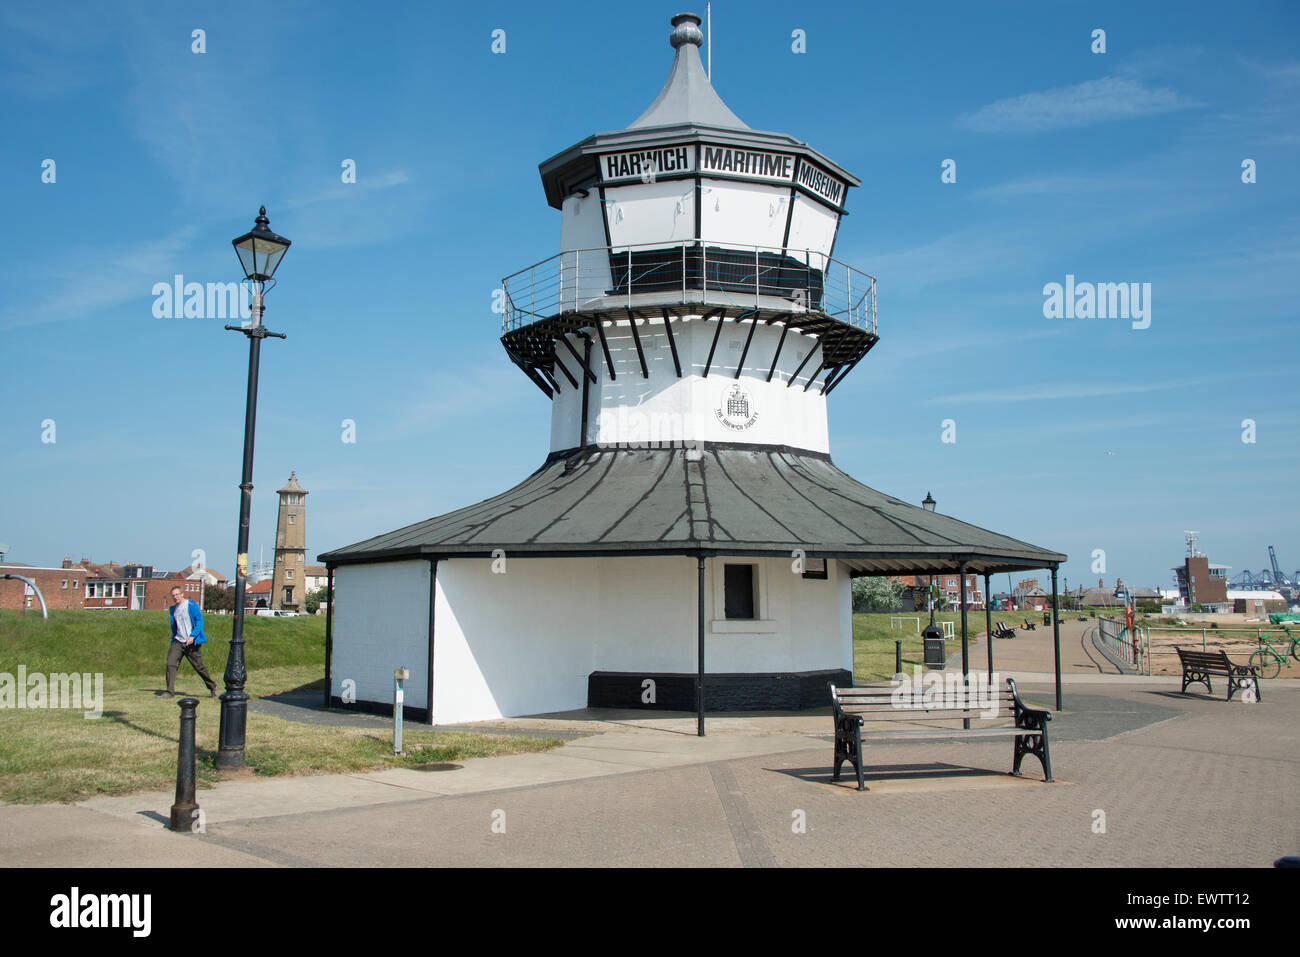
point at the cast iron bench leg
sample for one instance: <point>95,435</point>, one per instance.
<point>1193,677</point>
<point>1040,750</point>
<point>857,756</point>
<point>848,749</point>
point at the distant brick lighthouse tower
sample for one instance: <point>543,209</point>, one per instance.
<point>287,586</point>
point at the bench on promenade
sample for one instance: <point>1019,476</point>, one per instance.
<point>1000,630</point>
<point>1198,666</point>
<point>869,714</point>
<point>1030,626</point>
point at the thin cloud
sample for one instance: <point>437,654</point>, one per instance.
<point>345,191</point>
<point>1065,107</point>
<point>1040,393</point>
<point>1058,186</point>
<point>95,280</point>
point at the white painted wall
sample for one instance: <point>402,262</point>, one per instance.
<point>525,641</point>
<point>381,622</point>
<point>661,212</point>
<point>580,277</point>
<point>515,643</point>
<point>743,214</point>
<point>633,409</point>
<point>812,227</point>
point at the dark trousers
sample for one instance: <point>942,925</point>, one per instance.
<point>194,654</point>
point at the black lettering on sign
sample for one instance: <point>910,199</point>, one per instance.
<point>634,165</point>
<point>755,164</point>
<point>827,187</point>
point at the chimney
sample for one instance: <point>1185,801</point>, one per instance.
<point>67,562</point>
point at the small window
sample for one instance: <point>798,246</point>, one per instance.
<point>288,573</point>
<point>74,583</point>
<point>65,583</point>
<point>291,518</point>
<point>738,584</point>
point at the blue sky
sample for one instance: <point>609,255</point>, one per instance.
<point>1076,434</point>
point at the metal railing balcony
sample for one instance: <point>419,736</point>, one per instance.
<point>689,272</point>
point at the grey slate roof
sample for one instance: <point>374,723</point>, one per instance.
<point>724,499</point>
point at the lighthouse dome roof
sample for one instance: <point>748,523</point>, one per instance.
<point>687,111</point>
<point>688,95</point>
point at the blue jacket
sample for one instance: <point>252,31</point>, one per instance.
<point>196,622</point>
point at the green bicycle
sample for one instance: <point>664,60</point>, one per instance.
<point>1268,661</point>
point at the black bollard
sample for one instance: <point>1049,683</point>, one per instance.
<point>184,811</point>
<point>898,657</point>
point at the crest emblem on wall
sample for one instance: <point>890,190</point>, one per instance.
<point>736,409</point>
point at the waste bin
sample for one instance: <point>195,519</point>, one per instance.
<point>1047,618</point>
<point>936,654</point>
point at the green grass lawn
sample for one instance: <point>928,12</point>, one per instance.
<point>873,640</point>
<point>60,755</point>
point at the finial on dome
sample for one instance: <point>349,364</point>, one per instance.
<point>686,29</point>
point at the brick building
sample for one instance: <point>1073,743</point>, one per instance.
<point>61,586</point>
<point>134,587</point>
<point>1200,583</point>
<point>949,586</point>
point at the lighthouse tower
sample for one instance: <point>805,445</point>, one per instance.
<point>288,585</point>
<point>687,543</point>
<point>695,298</point>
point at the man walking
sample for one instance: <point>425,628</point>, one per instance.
<point>187,641</point>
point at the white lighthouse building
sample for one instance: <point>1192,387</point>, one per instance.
<point>687,542</point>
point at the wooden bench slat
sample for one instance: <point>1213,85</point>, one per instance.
<point>868,734</point>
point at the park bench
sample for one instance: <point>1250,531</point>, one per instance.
<point>1030,626</point>
<point>1198,666</point>
<point>1000,630</point>
<point>869,714</point>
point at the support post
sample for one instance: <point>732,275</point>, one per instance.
<point>433,597</point>
<point>586,368</point>
<point>898,659</point>
<point>699,677</point>
<point>329,634</point>
<point>965,642</point>
<point>988,625</point>
<point>185,809</point>
<point>1056,636</point>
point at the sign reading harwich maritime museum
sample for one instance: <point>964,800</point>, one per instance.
<point>732,162</point>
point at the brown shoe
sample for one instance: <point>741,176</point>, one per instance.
<point>212,692</point>
<point>167,694</point>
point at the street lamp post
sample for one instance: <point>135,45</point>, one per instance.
<point>928,503</point>
<point>932,640</point>
<point>260,252</point>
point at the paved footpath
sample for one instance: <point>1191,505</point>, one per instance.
<point>643,790</point>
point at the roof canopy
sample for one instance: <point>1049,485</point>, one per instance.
<point>722,499</point>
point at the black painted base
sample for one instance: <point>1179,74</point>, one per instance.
<point>771,691</point>
<point>409,712</point>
